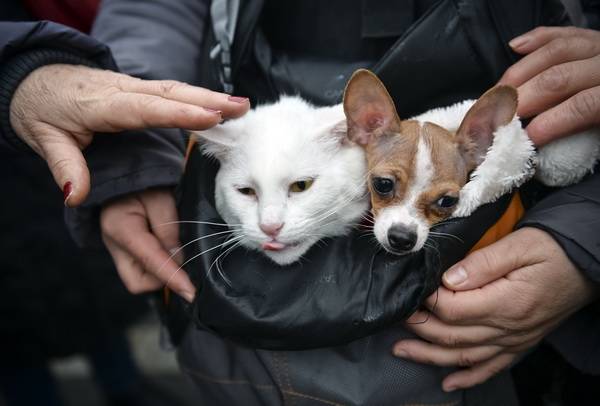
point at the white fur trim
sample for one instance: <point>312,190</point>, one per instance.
<point>508,162</point>
<point>567,160</point>
<point>512,159</point>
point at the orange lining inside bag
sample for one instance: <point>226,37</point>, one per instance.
<point>504,226</point>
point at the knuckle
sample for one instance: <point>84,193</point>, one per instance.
<point>585,105</point>
<point>133,288</point>
<point>169,87</point>
<point>453,315</point>
<point>466,358</point>
<point>554,80</point>
<point>558,48</point>
<point>451,341</point>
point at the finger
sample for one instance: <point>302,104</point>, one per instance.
<point>137,111</point>
<point>134,277</point>
<point>125,228</point>
<point>477,374</point>
<point>67,164</point>
<point>575,115</point>
<point>457,334</point>
<point>231,106</point>
<point>557,84</point>
<point>163,218</point>
<point>432,354</point>
<point>540,36</point>
<point>558,51</point>
<point>148,255</point>
<point>489,263</point>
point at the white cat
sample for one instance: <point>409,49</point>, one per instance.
<point>288,177</point>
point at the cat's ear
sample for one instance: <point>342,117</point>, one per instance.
<point>496,108</point>
<point>217,141</point>
<point>332,123</point>
<point>368,107</point>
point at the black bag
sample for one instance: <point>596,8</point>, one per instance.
<point>346,288</point>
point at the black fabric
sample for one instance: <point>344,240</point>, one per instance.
<point>560,210</point>
<point>346,288</point>
<point>455,50</point>
<point>362,373</point>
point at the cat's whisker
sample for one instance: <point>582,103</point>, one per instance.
<point>236,241</point>
<point>209,223</point>
<point>203,252</point>
<point>190,259</point>
<point>176,251</point>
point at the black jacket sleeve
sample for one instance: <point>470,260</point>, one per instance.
<point>571,215</point>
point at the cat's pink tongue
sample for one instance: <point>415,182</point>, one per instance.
<point>273,246</point>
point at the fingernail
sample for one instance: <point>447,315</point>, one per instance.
<point>189,296</point>
<point>450,389</point>
<point>518,42</point>
<point>400,353</point>
<point>456,276</point>
<point>237,99</point>
<point>67,191</point>
<point>213,111</point>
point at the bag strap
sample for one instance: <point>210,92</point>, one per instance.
<point>224,15</point>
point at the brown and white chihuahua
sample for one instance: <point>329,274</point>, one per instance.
<point>417,168</point>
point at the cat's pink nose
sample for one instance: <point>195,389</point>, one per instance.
<point>271,229</point>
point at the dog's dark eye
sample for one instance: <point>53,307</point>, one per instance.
<point>383,185</point>
<point>447,202</point>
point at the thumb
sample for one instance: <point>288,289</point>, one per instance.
<point>479,268</point>
<point>70,171</point>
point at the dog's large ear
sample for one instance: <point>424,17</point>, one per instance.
<point>368,107</point>
<point>496,108</point>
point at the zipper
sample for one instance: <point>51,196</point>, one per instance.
<point>502,30</point>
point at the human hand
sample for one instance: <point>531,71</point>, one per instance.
<point>57,109</point>
<point>512,294</point>
<point>142,235</point>
<point>558,81</point>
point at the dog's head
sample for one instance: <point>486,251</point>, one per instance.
<point>417,169</point>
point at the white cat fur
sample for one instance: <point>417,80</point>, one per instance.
<point>273,146</point>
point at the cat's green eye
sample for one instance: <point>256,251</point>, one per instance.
<point>301,185</point>
<point>247,191</point>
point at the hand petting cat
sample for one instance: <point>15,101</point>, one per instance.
<point>503,299</point>
<point>57,109</point>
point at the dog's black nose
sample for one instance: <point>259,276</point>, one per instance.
<point>402,239</point>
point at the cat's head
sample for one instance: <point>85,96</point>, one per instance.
<point>288,177</point>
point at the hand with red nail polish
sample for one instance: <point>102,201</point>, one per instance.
<point>558,81</point>
<point>57,109</point>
